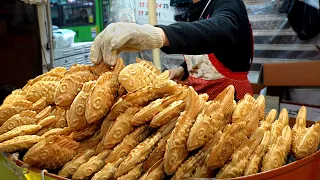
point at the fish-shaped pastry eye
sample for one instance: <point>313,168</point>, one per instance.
<point>80,109</point>
<point>97,103</point>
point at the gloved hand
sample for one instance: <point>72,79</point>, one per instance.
<point>176,73</point>
<point>118,37</point>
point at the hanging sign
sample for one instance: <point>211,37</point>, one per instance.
<point>165,12</point>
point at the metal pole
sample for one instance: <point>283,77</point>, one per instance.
<point>152,15</point>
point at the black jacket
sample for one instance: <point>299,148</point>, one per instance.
<point>227,34</point>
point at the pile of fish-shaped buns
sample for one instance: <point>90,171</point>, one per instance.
<point>131,122</point>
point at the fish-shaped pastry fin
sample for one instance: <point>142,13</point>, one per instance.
<point>262,104</point>
<point>269,119</point>
<point>118,67</point>
<point>278,125</point>
<point>148,65</point>
<point>226,99</point>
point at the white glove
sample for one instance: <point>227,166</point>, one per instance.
<point>118,37</point>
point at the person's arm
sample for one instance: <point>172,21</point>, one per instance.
<point>204,36</point>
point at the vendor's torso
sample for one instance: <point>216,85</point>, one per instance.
<point>206,73</point>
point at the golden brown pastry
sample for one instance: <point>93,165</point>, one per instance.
<point>118,67</point>
<point>269,119</point>
<point>277,153</point>
<point>128,143</point>
<point>138,155</point>
<point>156,172</point>
<point>240,158</point>
<point>8,110</point>
<point>39,105</point>
<point>44,113</point>
<point>133,174</point>
<point>142,96</point>
<point>247,110</point>
<point>101,97</point>
<point>24,118</point>
<point>278,125</point>
<point>101,68</point>
<point>92,166</point>
<point>141,152</point>
<point>121,92</point>
<point>72,83</point>
<point>52,152</point>
<point>107,172</point>
<point>44,130</point>
<point>56,131</point>
<point>76,115</point>
<point>261,101</point>
<point>169,113</point>
<point>148,65</point>
<point>207,124</point>
<point>157,154</point>
<point>305,141</point>
<point>54,74</point>
<point>61,116</point>
<point>42,89</point>
<point>106,124</point>
<point>226,99</point>
<point>72,166</point>
<point>201,170</point>
<point>120,128</point>
<point>20,131</point>
<point>86,132</point>
<point>176,150</point>
<point>20,143</point>
<point>89,143</point>
<point>46,121</point>
<point>15,95</point>
<point>255,160</point>
<point>153,108</point>
<point>136,76</point>
<point>230,140</point>
<point>189,166</point>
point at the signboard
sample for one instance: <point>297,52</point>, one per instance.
<point>165,12</point>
